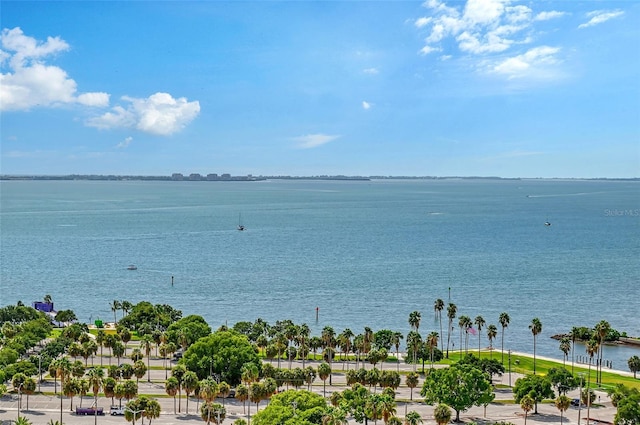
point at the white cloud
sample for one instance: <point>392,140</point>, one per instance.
<point>30,82</point>
<point>159,114</point>
<point>600,16</point>
<point>314,140</point>
<point>421,22</point>
<point>371,71</point>
<point>366,105</point>
<point>545,16</point>
<point>125,143</point>
<point>531,64</point>
<point>428,49</point>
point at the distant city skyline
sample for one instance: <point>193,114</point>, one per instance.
<point>434,88</point>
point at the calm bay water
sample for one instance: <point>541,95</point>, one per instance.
<point>365,253</point>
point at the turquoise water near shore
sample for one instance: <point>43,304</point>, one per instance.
<point>367,253</point>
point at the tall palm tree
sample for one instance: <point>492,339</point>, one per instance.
<point>115,306</point>
<point>602,330</point>
<point>152,410</point>
<point>592,350</point>
<point>492,331</point>
<point>178,372</point>
<point>396,337</point>
<point>432,342</point>
<point>387,407</point>
<point>303,339</point>
<point>412,381</point>
<point>438,306</point>
<point>526,404</point>
<point>464,322</point>
<point>414,343</point>
<point>480,322</point>
<point>344,341</point>
<point>171,388</point>
<point>565,347</point>
<point>562,404</point>
<point>147,342</point>
<point>324,371</point>
<point>574,334</point>
<point>414,320</point>
<point>189,384</point>
<point>328,336</point>
<point>100,338</point>
<point>451,314</point>
<point>504,320</point>
<point>335,416</point>
<point>95,378</point>
<point>536,328</point>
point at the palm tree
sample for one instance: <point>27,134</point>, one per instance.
<point>115,306</point>
<point>387,407</point>
<point>303,338</point>
<point>152,410</point>
<point>565,347</point>
<point>324,371</point>
<point>70,388</point>
<point>189,384</point>
<point>29,387</point>
<point>432,342</point>
<point>413,418</point>
<point>414,320</point>
<point>171,388</point>
<point>242,394</point>
<point>328,336</point>
<point>224,390</point>
<point>147,342</point>
<point>396,337</point>
<point>479,321</point>
<point>414,342</point>
<point>335,416</point>
<point>574,334</point>
<point>634,365</point>
<point>602,330</point>
<point>464,322</point>
<point>100,338</point>
<point>139,369</point>
<point>178,372</point>
<point>526,404</point>
<point>451,314</point>
<point>536,328</point>
<point>492,331</point>
<point>592,349</point>
<point>504,320</point>
<point>213,412</point>
<point>412,381</point>
<point>344,341</point>
<point>95,378</point>
<point>442,414</point>
<point>562,403</point>
<point>438,306</point>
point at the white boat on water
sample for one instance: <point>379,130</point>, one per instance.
<point>240,225</point>
<point>132,267</point>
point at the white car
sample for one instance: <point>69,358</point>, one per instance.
<point>116,411</point>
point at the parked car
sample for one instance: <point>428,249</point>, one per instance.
<point>177,356</point>
<point>89,411</point>
<point>116,411</point>
<point>575,402</point>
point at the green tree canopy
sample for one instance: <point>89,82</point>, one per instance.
<point>223,353</point>
<point>309,409</point>
<point>536,386</point>
<point>193,327</point>
<point>458,386</point>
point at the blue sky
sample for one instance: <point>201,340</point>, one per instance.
<point>477,87</point>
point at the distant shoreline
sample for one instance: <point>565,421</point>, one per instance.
<point>228,177</point>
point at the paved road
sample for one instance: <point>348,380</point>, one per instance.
<point>43,408</point>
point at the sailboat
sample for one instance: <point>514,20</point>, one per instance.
<point>240,225</point>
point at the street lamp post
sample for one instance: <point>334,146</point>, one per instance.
<point>509,367</point>
<point>581,375</point>
<point>19,398</point>
<point>39,370</point>
<point>134,412</point>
